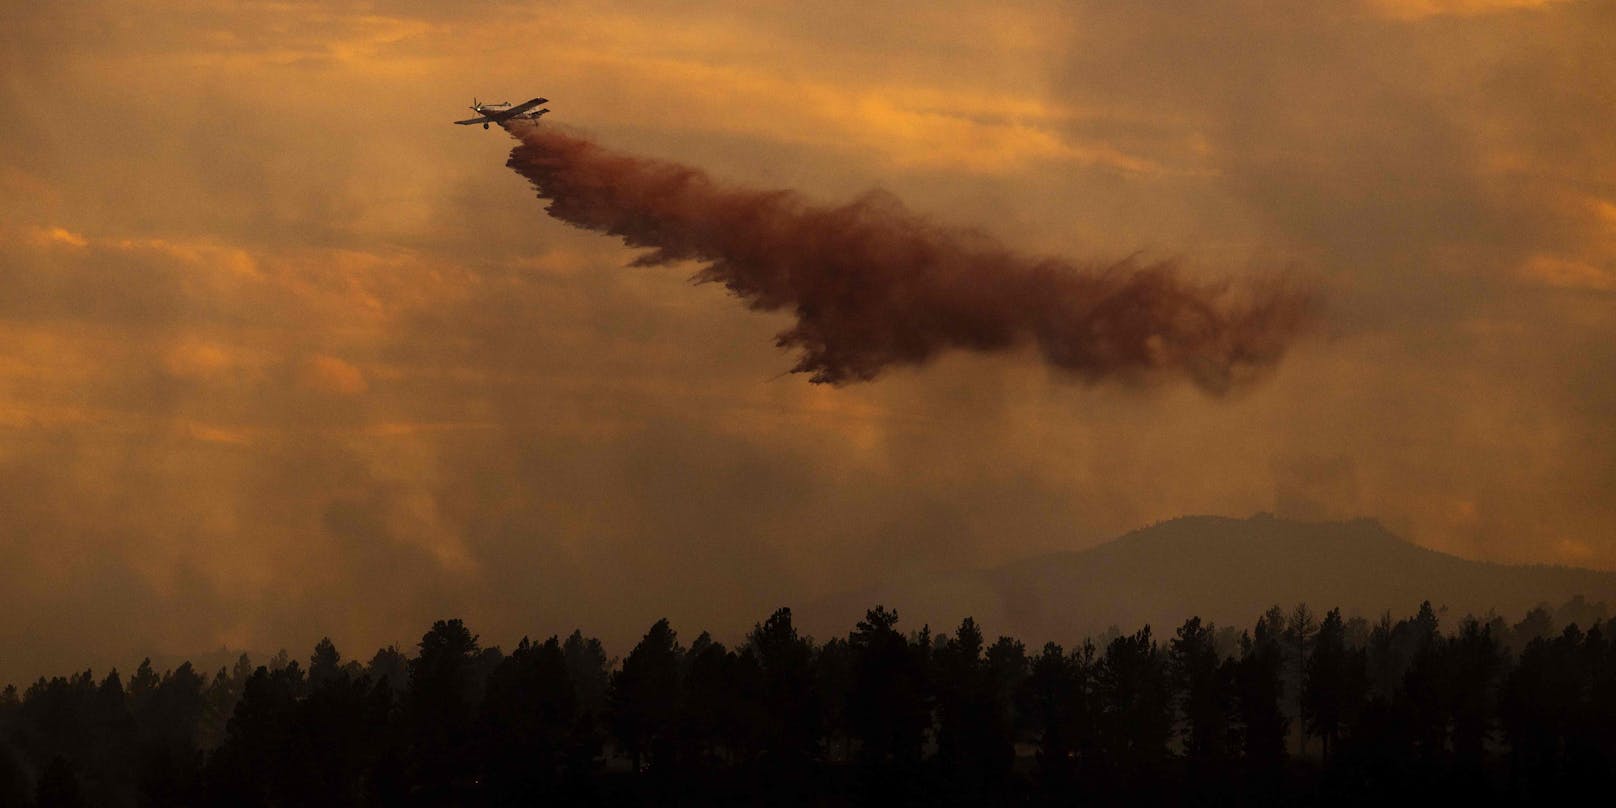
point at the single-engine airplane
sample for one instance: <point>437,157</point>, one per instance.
<point>503,111</point>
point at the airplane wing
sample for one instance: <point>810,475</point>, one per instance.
<point>469,121</point>
<point>523,107</point>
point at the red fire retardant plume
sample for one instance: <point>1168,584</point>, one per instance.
<point>873,285</point>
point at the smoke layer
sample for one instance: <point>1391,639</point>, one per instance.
<point>873,285</point>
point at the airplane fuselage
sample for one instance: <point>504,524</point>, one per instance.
<point>489,114</point>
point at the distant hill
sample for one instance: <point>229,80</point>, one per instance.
<point>1225,570</point>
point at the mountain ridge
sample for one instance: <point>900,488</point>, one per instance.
<point>1223,569</point>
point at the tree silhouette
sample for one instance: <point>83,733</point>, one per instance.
<point>1595,748</point>
<point>438,710</point>
<point>834,680</point>
<point>325,663</point>
<point>1259,686</point>
<point>1203,692</point>
<point>341,721</point>
<point>1425,699</point>
<point>588,671</point>
<point>889,706</point>
<point>258,762</point>
<point>111,733</point>
<point>961,689</point>
<point>391,667</point>
<point>1536,624</point>
<point>1136,718</point>
<point>974,693</point>
<point>1385,665</point>
<point>876,717</point>
<point>528,724</point>
<point>1473,665</point>
<point>1540,708</point>
<point>1046,697</point>
<point>1007,669</point>
<point>587,668</point>
<point>1335,683</point>
<point>645,698</point>
<point>219,701</point>
<point>168,718</point>
<point>1052,697</point>
<point>1300,629</point>
<point>790,714</point>
<point>716,707</point>
<point>10,709</point>
<point>141,686</point>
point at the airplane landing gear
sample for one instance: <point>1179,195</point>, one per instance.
<point>485,126</point>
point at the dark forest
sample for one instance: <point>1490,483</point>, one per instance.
<point>1299,708</point>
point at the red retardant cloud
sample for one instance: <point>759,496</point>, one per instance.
<point>873,285</point>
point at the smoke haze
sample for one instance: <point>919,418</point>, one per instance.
<point>285,353</point>
<point>873,285</point>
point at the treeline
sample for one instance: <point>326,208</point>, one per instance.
<point>1298,708</point>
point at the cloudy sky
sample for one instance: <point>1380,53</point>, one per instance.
<point>284,354</point>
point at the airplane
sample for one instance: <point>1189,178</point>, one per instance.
<point>503,111</point>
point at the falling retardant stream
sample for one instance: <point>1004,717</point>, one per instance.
<point>873,285</point>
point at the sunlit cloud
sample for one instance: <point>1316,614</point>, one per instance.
<point>52,236</point>
<point>330,374</point>
<point>1569,274</point>
<point>1422,9</point>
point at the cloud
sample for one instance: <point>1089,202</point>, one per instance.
<point>1566,274</point>
<point>1421,9</point>
<point>332,375</point>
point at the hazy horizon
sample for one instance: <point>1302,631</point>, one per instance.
<point>939,601</point>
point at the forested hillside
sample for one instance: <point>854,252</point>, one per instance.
<point>1297,706</point>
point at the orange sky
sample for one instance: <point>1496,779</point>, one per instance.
<point>286,354</point>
